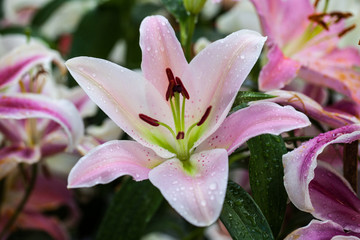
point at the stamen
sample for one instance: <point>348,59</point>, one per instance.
<point>340,15</point>
<point>149,120</point>
<point>346,30</point>
<point>169,91</point>
<point>170,74</point>
<point>316,3</point>
<point>184,93</point>
<point>205,116</point>
<point>180,135</point>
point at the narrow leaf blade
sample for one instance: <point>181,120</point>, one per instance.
<point>242,217</point>
<point>266,177</point>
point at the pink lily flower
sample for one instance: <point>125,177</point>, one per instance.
<point>315,187</point>
<point>303,43</point>
<point>177,113</point>
<point>26,116</point>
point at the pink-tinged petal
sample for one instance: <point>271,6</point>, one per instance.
<point>160,50</point>
<point>23,106</point>
<point>326,230</point>
<point>316,92</point>
<point>258,118</point>
<point>333,198</point>
<point>123,95</point>
<point>299,164</point>
<point>20,60</point>
<point>12,130</point>
<point>278,18</point>
<point>312,108</point>
<point>12,155</point>
<point>214,78</point>
<point>345,105</point>
<point>87,144</point>
<point>107,131</point>
<point>80,99</point>
<point>198,197</point>
<point>38,221</point>
<point>111,160</point>
<point>334,69</point>
<point>279,71</point>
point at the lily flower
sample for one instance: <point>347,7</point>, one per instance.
<point>177,113</point>
<point>314,186</point>
<point>308,50</point>
<point>26,115</point>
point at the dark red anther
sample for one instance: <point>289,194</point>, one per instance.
<point>205,116</point>
<point>346,30</point>
<point>180,135</point>
<point>149,120</point>
<point>184,93</point>
<point>170,75</point>
<point>169,91</point>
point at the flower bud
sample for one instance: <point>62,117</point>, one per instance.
<point>194,6</point>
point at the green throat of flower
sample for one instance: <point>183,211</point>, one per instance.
<point>318,23</point>
<point>184,137</point>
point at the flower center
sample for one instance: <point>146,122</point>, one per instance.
<point>177,95</point>
<point>318,23</point>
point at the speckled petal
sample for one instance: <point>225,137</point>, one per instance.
<point>197,197</point>
<point>160,50</point>
<point>111,160</point>
<point>258,118</point>
<point>214,78</point>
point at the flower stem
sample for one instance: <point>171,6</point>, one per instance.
<point>350,160</point>
<point>22,203</point>
<point>187,28</point>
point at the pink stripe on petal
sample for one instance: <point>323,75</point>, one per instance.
<point>111,160</point>
<point>299,164</point>
<point>333,199</point>
<point>326,230</point>
<point>11,73</point>
<point>23,106</point>
<point>197,197</point>
<point>258,118</point>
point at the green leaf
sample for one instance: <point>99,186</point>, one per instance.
<point>46,12</point>
<point>176,8</point>
<point>266,177</point>
<point>246,97</point>
<point>130,211</point>
<point>242,217</point>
